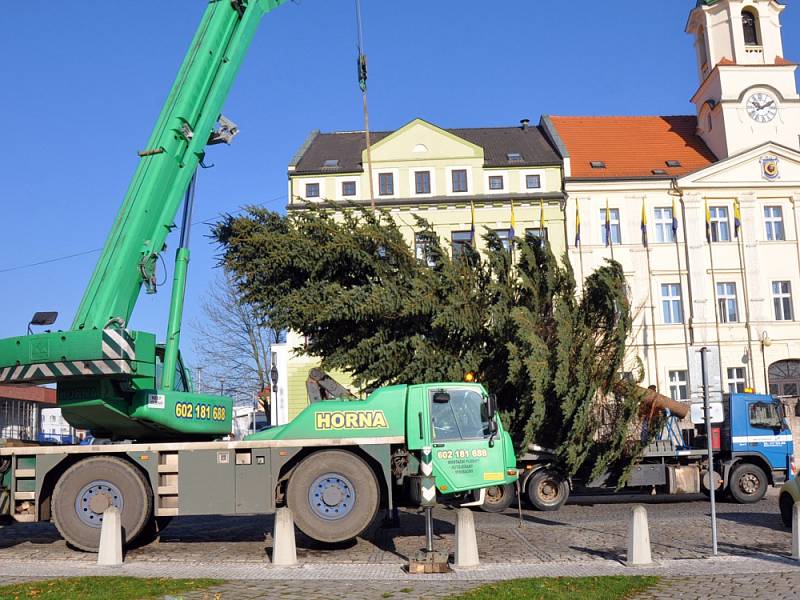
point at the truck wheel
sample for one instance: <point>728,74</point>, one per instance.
<point>786,503</point>
<point>498,498</point>
<point>90,486</point>
<point>747,483</point>
<point>333,495</point>
<point>547,490</point>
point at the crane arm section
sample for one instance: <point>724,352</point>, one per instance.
<point>176,147</point>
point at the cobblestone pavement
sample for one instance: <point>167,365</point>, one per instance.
<point>678,530</point>
<point>775,586</point>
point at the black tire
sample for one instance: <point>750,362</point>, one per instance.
<point>547,490</point>
<point>786,502</point>
<point>135,497</point>
<point>152,530</point>
<point>353,502</point>
<point>747,483</point>
<point>498,498</point>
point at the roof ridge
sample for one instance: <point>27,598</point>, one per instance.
<point>622,116</point>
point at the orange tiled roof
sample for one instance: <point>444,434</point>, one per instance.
<point>632,146</point>
<point>33,393</point>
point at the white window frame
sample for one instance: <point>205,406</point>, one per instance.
<point>779,299</point>
<point>376,180</point>
<point>506,182</point>
<point>421,247</point>
<point>523,184</point>
<point>614,223</point>
<point>412,181</point>
<point>737,379</point>
<point>725,300</point>
<point>677,379</point>
<point>671,303</point>
<point>717,220</point>
<point>470,183</point>
<point>663,225</point>
<point>770,222</point>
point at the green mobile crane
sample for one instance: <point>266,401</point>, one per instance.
<point>334,466</point>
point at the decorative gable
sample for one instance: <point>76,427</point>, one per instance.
<point>769,165</point>
<point>420,140</point>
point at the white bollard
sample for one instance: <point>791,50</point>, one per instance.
<point>110,551</point>
<point>638,538</point>
<point>466,555</point>
<point>796,531</point>
<point>284,551</point>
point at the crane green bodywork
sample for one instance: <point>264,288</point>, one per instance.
<point>115,381</point>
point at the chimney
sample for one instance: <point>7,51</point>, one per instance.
<point>525,123</point>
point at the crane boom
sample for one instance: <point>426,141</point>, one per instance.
<point>112,380</point>
<point>166,166</point>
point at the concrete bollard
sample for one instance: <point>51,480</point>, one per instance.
<point>284,551</point>
<point>638,538</point>
<point>110,551</point>
<point>466,555</point>
<point>796,531</point>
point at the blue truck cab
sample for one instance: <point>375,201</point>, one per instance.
<point>756,447</point>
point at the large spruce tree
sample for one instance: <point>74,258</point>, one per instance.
<point>368,305</point>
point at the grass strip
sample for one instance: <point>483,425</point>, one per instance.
<point>561,588</point>
<point>103,588</point>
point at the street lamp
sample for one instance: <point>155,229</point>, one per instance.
<point>766,342</point>
<point>273,375</point>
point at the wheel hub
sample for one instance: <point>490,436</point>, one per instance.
<point>748,483</point>
<point>331,496</point>
<point>547,490</point>
<point>93,500</point>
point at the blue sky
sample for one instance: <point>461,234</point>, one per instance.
<point>83,83</point>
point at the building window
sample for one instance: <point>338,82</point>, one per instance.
<point>614,229</point>
<point>678,385</point>
<point>460,240</point>
<point>671,303</point>
<point>312,190</point>
<point>422,249</point>
<point>385,184</point>
<point>422,182</point>
<point>504,235</point>
<point>663,223</point>
<point>726,303</point>
<point>536,233</point>
<point>348,188</point>
<point>533,182</point>
<point>459,180</point>
<point>720,227</point>
<point>736,380</point>
<point>495,182</point>
<point>750,27</point>
<point>773,221</point>
<point>782,299</point>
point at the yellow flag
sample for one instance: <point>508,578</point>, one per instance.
<point>513,222</point>
<point>541,215</point>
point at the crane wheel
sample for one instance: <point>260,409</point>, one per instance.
<point>333,495</point>
<point>547,490</point>
<point>498,498</point>
<point>747,483</point>
<point>90,486</point>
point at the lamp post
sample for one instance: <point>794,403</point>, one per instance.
<point>766,342</point>
<point>273,375</point>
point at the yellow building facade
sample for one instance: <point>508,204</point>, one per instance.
<point>459,180</point>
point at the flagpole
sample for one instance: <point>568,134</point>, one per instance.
<point>714,289</point>
<point>650,292</point>
<point>578,241</point>
<point>687,294</point>
<point>737,224</point>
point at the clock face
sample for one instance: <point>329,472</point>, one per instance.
<point>761,107</point>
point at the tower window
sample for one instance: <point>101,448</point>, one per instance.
<point>750,27</point>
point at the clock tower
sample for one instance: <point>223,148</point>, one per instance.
<point>747,94</point>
